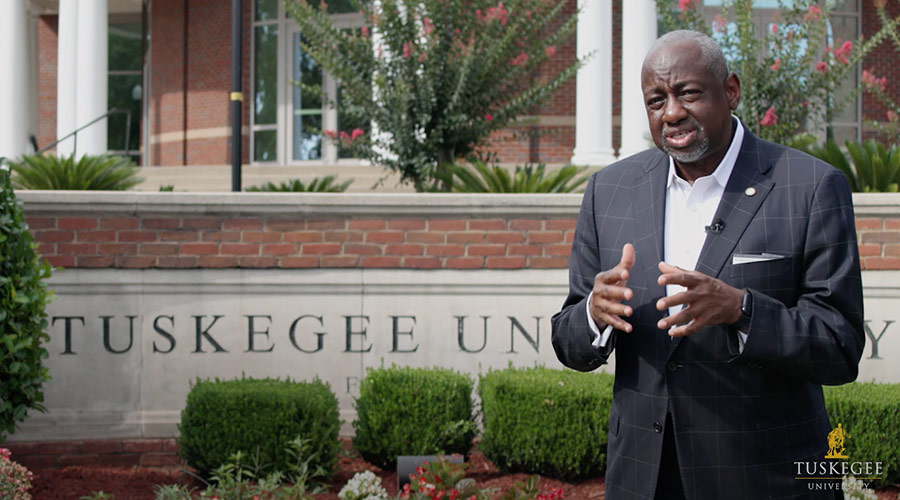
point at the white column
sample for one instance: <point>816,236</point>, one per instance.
<point>66,62</point>
<point>91,75</point>
<point>14,91</point>
<point>639,20</point>
<point>593,93</point>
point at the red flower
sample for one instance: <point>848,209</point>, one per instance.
<point>331,134</point>
<point>550,51</point>
<point>428,26</point>
<point>822,67</point>
<point>870,81</point>
<point>719,23</point>
<point>406,50</point>
<point>364,32</point>
<point>774,28</point>
<point>520,60</point>
<point>770,118</point>
<point>814,12</point>
<point>686,5</point>
<point>345,136</point>
<point>891,116</point>
<point>842,53</point>
<point>499,12</point>
<point>356,134</point>
<point>489,117</point>
<point>776,65</point>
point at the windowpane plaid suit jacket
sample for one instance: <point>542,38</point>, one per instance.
<point>740,417</point>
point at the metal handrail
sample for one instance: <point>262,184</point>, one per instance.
<point>74,133</point>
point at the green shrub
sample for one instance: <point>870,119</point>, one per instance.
<point>23,321</point>
<point>318,185</point>
<point>483,178</point>
<point>551,422</point>
<point>112,173</point>
<point>413,411</point>
<point>257,417</point>
<point>870,414</point>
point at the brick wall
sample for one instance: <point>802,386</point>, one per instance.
<point>155,453</point>
<point>415,231</point>
<point>229,241</point>
<point>48,43</point>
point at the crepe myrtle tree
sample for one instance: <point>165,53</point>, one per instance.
<point>434,78</point>
<point>790,73</point>
<point>889,127</point>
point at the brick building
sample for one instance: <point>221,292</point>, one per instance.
<point>168,62</point>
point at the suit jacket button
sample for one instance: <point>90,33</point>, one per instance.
<point>657,427</point>
<point>671,366</point>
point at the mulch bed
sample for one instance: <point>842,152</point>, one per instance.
<point>137,483</point>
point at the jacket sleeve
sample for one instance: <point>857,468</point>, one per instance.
<point>821,339</point>
<point>571,334</point>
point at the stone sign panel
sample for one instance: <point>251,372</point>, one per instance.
<point>126,344</point>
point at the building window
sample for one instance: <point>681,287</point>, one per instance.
<point>125,85</point>
<point>844,25</point>
<point>288,121</point>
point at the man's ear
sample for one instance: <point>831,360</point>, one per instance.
<point>733,90</point>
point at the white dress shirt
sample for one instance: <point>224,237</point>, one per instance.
<point>689,209</point>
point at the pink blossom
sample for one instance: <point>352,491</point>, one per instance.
<point>499,12</point>
<point>805,104</point>
<point>489,117</point>
<point>550,51</point>
<point>776,65</point>
<point>719,23</point>
<point>345,136</point>
<point>406,50</point>
<point>842,53</point>
<point>770,118</point>
<point>814,12</point>
<point>822,67</point>
<point>774,28</point>
<point>356,134</point>
<point>364,31</point>
<point>870,81</point>
<point>520,60</point>
<point>331,134</point>
<point>479,15</point>
<point>428,26</point>
<point>891,116</point>
<point>686,5</point>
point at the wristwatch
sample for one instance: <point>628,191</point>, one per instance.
<point>743,324</point>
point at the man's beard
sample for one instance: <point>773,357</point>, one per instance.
<point>690,156</point>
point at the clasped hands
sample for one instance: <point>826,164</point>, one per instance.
<point>706,300</point>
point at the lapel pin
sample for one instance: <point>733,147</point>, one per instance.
<point>750,191</point>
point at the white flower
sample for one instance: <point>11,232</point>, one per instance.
<point>363,486</point>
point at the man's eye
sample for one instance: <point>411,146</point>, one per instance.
<point>654,103</point>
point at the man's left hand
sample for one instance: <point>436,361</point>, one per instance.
<point>707,301</point>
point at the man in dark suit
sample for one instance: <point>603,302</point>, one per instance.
<point>723,271</point>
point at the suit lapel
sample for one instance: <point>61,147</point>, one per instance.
<point>649,216</point>
<point>745,192</point>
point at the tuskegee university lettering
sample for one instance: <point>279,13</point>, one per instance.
<point>306,333</point>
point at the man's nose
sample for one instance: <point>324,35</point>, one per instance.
<point>673,112</point>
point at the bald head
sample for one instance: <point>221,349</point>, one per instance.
<point>710,52</point>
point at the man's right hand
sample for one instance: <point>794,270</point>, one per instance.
<point>610,289</point>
